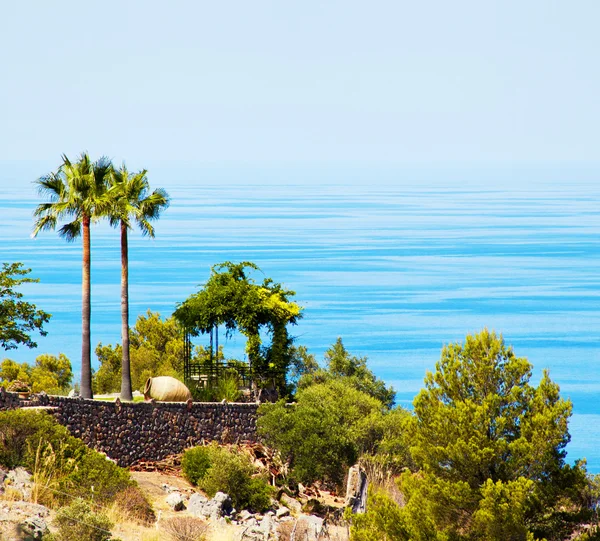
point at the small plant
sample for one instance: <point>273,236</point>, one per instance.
<point>132,503</point>
<point>217,469</point>
<point>195,463</point>
<point>185,529</point>
<point>79,522</point>
<point>228,387</point>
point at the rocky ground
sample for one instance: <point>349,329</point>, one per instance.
<point>175,501</point>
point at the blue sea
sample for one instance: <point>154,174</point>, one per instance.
<point>396,269</point>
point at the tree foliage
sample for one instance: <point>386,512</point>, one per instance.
<point>156,350</point>
<point>341,365</point>
<point>18,318</point>
<point>489,450</point>
<point>232,298</point>
<point>50,374</point>
<point>325,432</point>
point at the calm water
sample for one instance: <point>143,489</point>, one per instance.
<point>397,271</point>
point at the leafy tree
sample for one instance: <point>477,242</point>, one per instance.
<point>341,365</point>
<point>59,367</point>
<point>157,349</point>
<point>302,363</point>
<point>490,450</point>
<point>76,193</point>
<point>12,371</point>
<point>331,425</point>
<point>131,202</point>
<point>50,373</point>
<point>18,318</point>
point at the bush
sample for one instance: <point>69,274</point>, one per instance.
<point>75,467</point>
<point>133,503</point>
<point>78,522</point>
<point>21,431</point>
<point>185,529</point>
<point>195,463</point>
<point>217,469</point>
<point>330,427</point>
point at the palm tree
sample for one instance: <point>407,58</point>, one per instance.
<point>77,194</point>
<point>131,202</point>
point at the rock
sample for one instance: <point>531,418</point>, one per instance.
<point>311,526</point>
<point>22,521</point>
<point>20,479</point>
<point>196,505</point>
<point>245,515</point>
<point>33,528</point>
<point>265,526</point>
<point>214,509</point>
<point>356,490</point>
<point>175,501</point>
<point>291,503</point>
<point>282,512</point>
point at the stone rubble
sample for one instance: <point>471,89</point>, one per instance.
<point>252,526</point>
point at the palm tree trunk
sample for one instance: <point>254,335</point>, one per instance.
<point>125,363</point>
<point>86,315</point>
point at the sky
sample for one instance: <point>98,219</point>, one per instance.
<point>380,83</point>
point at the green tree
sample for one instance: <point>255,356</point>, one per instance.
<point>131,202</point>
<point>18,318</point>
<point>331,425</point>
<point>51,373</point>
<point>76,193</point>
<point>156,349</point>
<point>12,371</point>
<point>341,365</point>
<point>490,450</point>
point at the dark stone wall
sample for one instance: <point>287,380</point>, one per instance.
<point>132,432</point>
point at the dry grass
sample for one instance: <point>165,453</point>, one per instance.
<point>133,505</point>
<point>185,529</point>
<point>12,494</point>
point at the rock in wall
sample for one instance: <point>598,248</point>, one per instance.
<point>131,432</point>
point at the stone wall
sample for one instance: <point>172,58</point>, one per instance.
<point>131,432</point>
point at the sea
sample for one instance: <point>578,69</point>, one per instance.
<point>397,269</point>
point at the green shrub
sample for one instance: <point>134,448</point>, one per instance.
<point>78,522</point>
<point>331,425</point>
<point>195,463</point>
<point>21,431</point>
<point>228,387</point>
<point>76,468</point>
<point>217,469</point>
<point>94,470</point>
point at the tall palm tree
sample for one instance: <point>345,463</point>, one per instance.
<point>131,202</point>
<point>76,191</point>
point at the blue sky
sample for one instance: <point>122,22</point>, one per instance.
<point>393,83</point>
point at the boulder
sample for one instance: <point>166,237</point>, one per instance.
<point>175,501</point>
<point>291,503</point>
<point>282,512</point>
<point>196,503</point>
<point>356,490</point>
<point>214,509</point>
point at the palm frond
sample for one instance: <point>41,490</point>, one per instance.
<point>70,231</point>
<point>45,223</point>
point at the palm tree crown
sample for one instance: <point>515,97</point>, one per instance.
<point>76,192</point>
<point>131,201</point>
